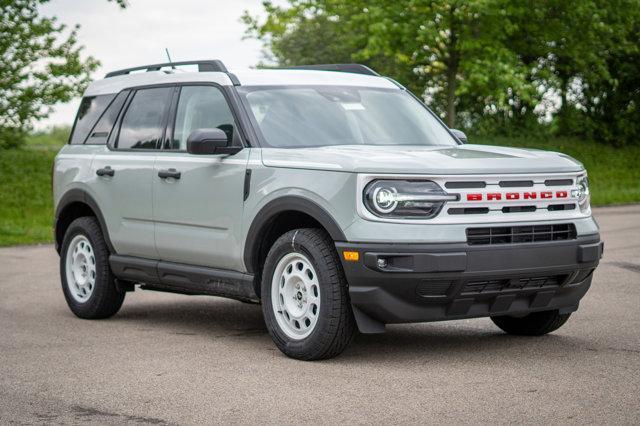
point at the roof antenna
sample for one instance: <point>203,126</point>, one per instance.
<point>169,57</point>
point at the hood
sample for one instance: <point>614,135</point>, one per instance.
<point>437,160</point>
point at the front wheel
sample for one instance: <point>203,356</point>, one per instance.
<point>305,298</point>
<point>534,324</point>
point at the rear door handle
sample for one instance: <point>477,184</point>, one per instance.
<point>106,171</point>
<point>171,173</point>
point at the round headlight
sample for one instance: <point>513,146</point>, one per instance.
<point>582,192</point>
<point>410,199</point>
<point>384,199</point>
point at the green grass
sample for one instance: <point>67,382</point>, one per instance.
<point>26,212</point>
<point>614,173</point>
<point>52,138</point>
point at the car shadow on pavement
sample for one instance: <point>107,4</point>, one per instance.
<point>454,340</point>
<point>196,315</point>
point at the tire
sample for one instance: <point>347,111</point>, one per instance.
<point>534,324</point>
<point>87,282</point>
<point>331,326</point>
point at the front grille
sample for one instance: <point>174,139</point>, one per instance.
<point>519,209</point>
<point>515,183</point>
<point>509,198</point>
<point>558,207</point>
<point>469,210</point>
<point>520,234</point>
<point>526,283</point>
<point>433,288</point>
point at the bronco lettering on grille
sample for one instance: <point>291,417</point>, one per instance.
<point>511,196</point>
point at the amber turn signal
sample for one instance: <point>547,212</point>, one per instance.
<point>351,256</point>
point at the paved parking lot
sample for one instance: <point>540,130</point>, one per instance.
<point>170,359</point>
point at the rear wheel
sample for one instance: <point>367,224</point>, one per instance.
<point>305,298</point>
<point>87,282</point>
<point>534,324</point>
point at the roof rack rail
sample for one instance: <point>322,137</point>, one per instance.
<point>207,65</point>
<point>352,68</point>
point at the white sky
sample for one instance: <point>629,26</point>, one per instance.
<point>138,35</point>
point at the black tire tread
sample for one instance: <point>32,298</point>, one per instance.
<point>533,324</point>
<point>341,323</point>
<point>106,300</point>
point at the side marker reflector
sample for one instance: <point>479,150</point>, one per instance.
<point>351,256</point>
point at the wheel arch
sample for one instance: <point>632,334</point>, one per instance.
<point>74,204</point>
<point>301,210</point>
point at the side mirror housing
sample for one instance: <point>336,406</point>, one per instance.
<point>210,141</point>
<point>459,134</point>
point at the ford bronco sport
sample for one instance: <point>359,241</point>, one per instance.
<point>328,193</point>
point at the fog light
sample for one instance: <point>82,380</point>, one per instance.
<point>382,263</point>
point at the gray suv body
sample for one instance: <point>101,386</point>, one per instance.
<point>329,193</point>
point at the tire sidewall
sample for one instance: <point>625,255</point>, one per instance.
<point>103,277</point>
<point>278,251</point>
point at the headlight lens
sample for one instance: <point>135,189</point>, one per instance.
<point>582,192</point>
<point>411,199</point>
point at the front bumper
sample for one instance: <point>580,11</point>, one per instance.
<point>434,282</point>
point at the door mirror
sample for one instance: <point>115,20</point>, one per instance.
<point>459,134</point>
<point>210,141</point>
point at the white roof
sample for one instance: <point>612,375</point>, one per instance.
<point>252,77</point>
<point>249,77</point>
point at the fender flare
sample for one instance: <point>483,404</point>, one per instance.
<point>77,195</point>
<point>279,205</point>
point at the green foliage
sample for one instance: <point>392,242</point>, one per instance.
<point>41,65</point>
<point>51,138</point>
<point>612,105</point>
<point>25,190</point>
<point>496,66</point>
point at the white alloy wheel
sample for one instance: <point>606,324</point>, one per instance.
<point>80,268</point>
<point>295,295</point>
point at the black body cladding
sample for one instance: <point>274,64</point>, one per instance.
<point>397,283</point>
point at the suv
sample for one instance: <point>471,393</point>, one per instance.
<point>329,193</point>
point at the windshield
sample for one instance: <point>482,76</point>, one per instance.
<point>303,116</point>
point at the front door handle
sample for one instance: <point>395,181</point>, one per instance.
<point>106,171</point>
<point>171,173</point>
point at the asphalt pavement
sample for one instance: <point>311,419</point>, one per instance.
<point>171,359</point>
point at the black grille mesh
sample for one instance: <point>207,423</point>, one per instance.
<point>520,234</point>
<point>490,286</point>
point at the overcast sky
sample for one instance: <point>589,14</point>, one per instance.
<point>138,35</point>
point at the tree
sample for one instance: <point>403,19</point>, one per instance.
<point>493,64</point>
<point>441,49</point>
<point>610,107</point>
<point>40,65</point>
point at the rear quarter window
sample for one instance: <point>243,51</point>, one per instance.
<point>101,131</point>
<point>91,108</point>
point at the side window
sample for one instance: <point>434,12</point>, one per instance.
<point>102,129</point>
<point>91,108</point>
<point>201,107</point>
<point>143,122</point>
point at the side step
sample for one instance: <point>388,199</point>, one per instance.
<point>184,279</point>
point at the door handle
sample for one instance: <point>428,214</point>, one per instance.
<point>106,171</point>
<point>171,173</point>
